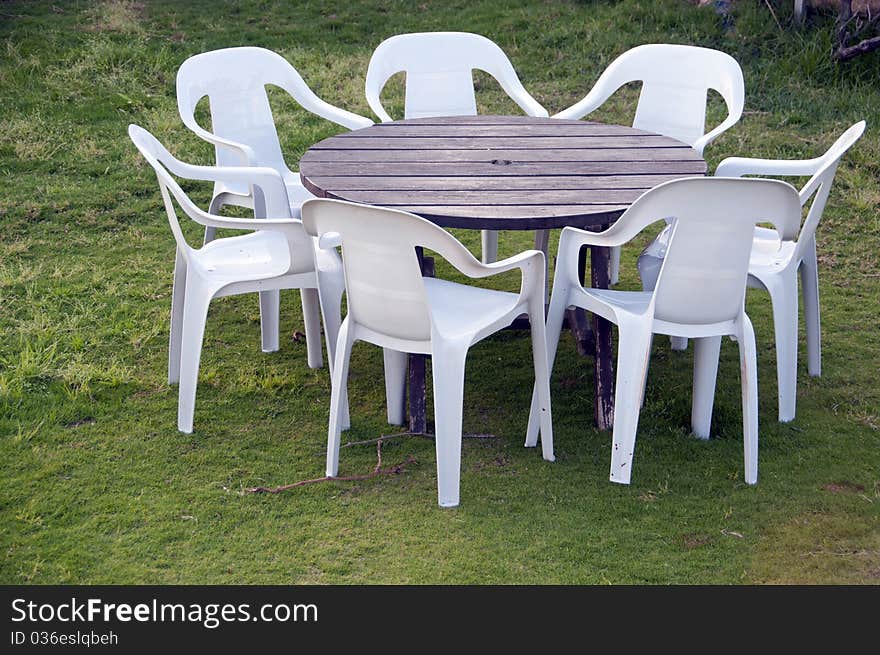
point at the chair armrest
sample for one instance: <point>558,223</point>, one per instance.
<point>580,109</point>
<point>734,96</point>
<point>289,79</point>
<point>592,101</point>
<point>740,166</point>
<point>701,143</point>
<point>520,261</point>
<point>530,263</point>
<point>307,98</point>
<point>524,99</point>
<point>244,152</point>
<point>268,180</point>
<point>251,224</point>
<point>337,115</point>
<point>375,103</point>
<point>616,235</point>
<point>532,107</point>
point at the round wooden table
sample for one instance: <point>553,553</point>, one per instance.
<point>503,173</point>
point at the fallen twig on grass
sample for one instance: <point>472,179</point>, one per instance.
<point>425,435</point>
<point>377,471</point>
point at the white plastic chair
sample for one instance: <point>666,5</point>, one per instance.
<point>700,293</point>
<point>243,129</point>
<point>391,305</point>
<point>775,264</point>
<point>675,82</point>
<point>278,254</point>
<point>439,82</point>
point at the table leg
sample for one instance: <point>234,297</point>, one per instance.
<point>418,420</point>
<point>416,373</point>
<point>600,265</point>
<point>576,320</point>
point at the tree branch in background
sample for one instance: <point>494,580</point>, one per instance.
<point>860,21</point>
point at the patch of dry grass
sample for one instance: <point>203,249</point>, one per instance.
<point>115,16</point>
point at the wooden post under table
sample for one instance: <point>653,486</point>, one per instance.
<point>417,369</point>
<point>600,270</point>
<point>504,173</point>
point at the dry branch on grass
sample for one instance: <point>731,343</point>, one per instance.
<point>377,471</point>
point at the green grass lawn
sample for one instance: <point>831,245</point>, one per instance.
<point>98,485</point>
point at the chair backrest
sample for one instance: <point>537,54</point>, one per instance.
<point>675,83</point>
<point>822,170</point>
<point>703,277</point>
<point>383,279</point>
<point>439,74</point>
<point>154,152</point>
<point>234,80</point>
<point>165,164</point>
<point>819,186</point>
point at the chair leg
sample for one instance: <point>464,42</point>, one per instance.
<point>448,363</point>
<point>783,297</point>
<point>632,365</point>
<point>490,246</point>
<point>339,382</point>
<point>648,266</point>
<point>706,353</point>
<point>214,208</point>
<point>678,343</point>
<point>810,285</point>
<point>542,381</point>
<point>748,362</point>
<point>330,293</point>
<point>178,299</point>
<point>614,276</point>
<point>395,385</point>
<point>312,324</point>
<point>270,315</point>
<point>555,316</point>
<point>647,368</point>
<point>195,314</point>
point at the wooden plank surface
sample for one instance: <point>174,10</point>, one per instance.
<point>497,172</point>
<point>310,169</point>
<point>500,156</point>
<point>397,142</point>
<point>496,197</point>
<point>488,183</point>
<point>516,217</point>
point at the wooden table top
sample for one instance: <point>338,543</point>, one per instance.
<point>498,172</point>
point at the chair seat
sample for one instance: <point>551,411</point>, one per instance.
<point>463,309</point>
<point>632,302</point>
<point>766,250</point>
<point>255,256</point>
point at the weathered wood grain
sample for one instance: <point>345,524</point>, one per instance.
<point>503,173</point>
